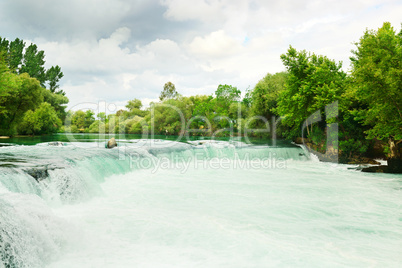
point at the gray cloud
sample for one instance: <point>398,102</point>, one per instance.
<point>114,50</point>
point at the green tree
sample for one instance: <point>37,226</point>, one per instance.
<point>16,54</point>
<point>58,102</point>
<point>19,93</point>
<point>264,97</point>
<point>168,92</point>
<point>53,76</point>
<point>134,104</point>
<point>13,51</point>
<point>33,64</point>
<point>226,94</point>
<point>78,119</point>
<point>313,82</point>
<point>4,46</point>
<point>89,118</point>
<point>47,115</point>
<point>30,124</point>
<point>377,80</point>
<point>134,109</point>
<point>43,120</point>
<point>101,116</point>
<point>204,113</point>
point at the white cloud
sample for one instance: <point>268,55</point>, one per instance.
<point>182,10</point>
<point>115,51</point>
<point>215,44</point>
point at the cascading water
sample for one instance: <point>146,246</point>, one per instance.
<point>153,203</point>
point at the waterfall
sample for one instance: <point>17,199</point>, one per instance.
<point>35,178</point>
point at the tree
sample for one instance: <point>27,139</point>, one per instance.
<point>89,118</point>
<point>20,93</point>
<point>168,92</point>
<point>377,80</point>
<point>33,64</point>
<point>30,124</point>
<point>4,46</point>
<point>225,96</point>
<point>53,75</point>
<point>13,52</point>
<point>47,115</point>
<point>313,82</point>
<point>78,119</point>
<point>134,104</point>
<point>43,120</point>
<point>101,117</point>
<point>264,97</point>
<point>16,54</point>
<point>58,102</point>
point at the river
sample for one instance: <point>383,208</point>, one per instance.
<point>160,203</point>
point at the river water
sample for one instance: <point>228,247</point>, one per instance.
<point>156,203</point>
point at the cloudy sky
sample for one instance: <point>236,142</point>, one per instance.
<point>115,50</point>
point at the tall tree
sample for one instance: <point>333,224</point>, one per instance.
<point>20,93</point>
<point>168,92</point>
<point>53,76</point>
<point>16,54</point>
<point>265,94</point>
<point>377,74</point>
<point>226,95</point>
<point>134,104</point>
<point>33,64</point>
<point>4,46</point>
<point>13,52</point>
<point>313,82</point>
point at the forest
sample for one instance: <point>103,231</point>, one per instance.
<point>26,105</point>
<point>368,97</point>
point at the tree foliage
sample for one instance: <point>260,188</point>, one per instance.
<point>314,81</point>
<point>168,92</point>
<point>43,120</point>
<point>264,97</point>
<point>377,83</point>
<point>33,64</point>
<point>53,75</point>
<point>22,80</point>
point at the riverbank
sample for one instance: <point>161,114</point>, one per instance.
<point>370,162</point>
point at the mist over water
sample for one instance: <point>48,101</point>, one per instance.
<point>200,204</point>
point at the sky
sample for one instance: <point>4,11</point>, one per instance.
<point>112,51</point>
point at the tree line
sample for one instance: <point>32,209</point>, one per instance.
<point>26,105</point>
<point>369,98</point>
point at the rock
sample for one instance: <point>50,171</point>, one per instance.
<point>111,143</point>
<point>376,169</point>
<point>299,140</point>
<point>395,165</point>
<point>38,173</point>
<point>56,143</point>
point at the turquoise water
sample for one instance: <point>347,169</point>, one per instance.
<point>88,137</point>
<point>200,204</point>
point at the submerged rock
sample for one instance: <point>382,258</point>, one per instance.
<point>376,169</point>
<point>38,173</point>
<point>111,143</point>
<point>394,166</point>
<point>56,143</point>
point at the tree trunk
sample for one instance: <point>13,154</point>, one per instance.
<point>394,151</point>
<point>395,158</point>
